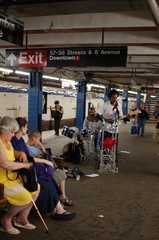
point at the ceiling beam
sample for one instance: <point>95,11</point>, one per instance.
<point>153,8</point>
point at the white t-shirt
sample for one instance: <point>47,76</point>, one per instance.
<point>107,111</point>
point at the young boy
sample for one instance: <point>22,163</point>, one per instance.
<point>36,149</point>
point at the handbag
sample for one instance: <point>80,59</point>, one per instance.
<point>28,176</point>
<point>53,113</point>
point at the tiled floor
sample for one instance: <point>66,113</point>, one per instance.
<point>128,200</point>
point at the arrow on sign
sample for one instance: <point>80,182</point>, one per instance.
<point>12,58</point>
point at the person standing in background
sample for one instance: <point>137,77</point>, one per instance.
<point>156,111</point>
<point>141,119</point>
<point>59,111</point>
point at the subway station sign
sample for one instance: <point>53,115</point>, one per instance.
<point>11,29</point>
<point>70,57</point>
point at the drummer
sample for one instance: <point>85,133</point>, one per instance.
<point>91,123</point>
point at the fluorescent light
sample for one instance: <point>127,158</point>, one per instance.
<point>6,70</point>
<point>49,77</point>
<point>95,85</point>
<point>67,80</point>
<point>119,90</point>
<point>153,96</point>
<point>22,73</point>
<point>132,92</point>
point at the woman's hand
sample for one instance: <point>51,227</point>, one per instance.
<point>51,107</point>
<point>28,165</point>
<point>23,157</point>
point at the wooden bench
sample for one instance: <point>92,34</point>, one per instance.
<point>3,201</point>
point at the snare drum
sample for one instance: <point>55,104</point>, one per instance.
<point>65,130</point>
<point>85,134</point>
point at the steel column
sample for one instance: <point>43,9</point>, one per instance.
<point>106,91</point>
<point>125,102</point>
<point>80,104</point>
<point>138,99</point>
<point>35,96</point>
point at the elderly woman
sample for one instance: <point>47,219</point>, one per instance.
<point>18,197</point>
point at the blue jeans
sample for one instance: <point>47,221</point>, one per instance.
<point>141,124</point>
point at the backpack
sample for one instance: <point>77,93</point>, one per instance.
<point>44,171</point>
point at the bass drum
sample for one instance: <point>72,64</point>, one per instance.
<point>72,152</point>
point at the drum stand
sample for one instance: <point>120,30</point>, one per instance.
<point>108,156</point>
<point>90,153</point>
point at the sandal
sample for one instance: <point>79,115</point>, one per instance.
<point>63,216</point>
<point>66,201</point>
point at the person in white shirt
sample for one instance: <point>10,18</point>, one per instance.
<point>91,123</point>
<point>111,111</point>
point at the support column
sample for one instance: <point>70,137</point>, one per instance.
<point>138,99</point>
<point>106,91</point>
<point>80,104</point>
<point>35,101</point>
<point>125,102</point>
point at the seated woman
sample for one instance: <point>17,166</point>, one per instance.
<point>48,200</point>
<point>36,149</point>
<point>18,197</point>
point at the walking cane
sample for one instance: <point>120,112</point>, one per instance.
<point>47,230</point>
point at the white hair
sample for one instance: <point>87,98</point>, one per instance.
<point>8,124</point>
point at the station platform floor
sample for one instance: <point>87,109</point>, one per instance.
<point>128,200</point>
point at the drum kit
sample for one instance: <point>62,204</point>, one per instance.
<point>76,151</point>
<point>83,149</point>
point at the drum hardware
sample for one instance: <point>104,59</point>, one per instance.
<point>87,136</point>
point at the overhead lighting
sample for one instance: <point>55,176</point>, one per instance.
<point>119,90</point>
<point>132,92</point>
<point>153,96</point>
<point>67,80</point>
<point>50,77</point>
<point>22,73</point>
<point>95,85</point>
<point>6,70</point>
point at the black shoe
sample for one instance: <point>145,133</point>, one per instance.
<point>142,135</point>
<point>64,216</point>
